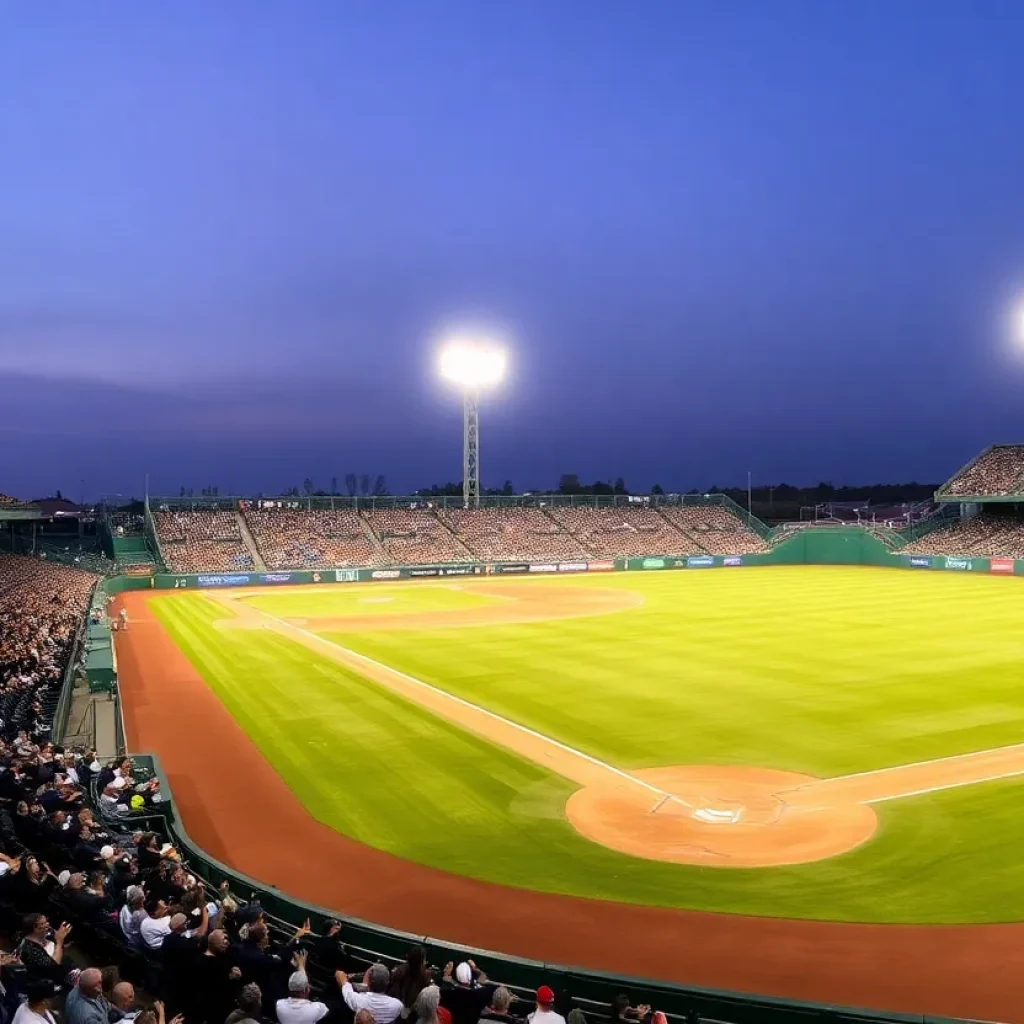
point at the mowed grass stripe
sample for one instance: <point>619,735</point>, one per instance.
<point>334,737</point>
<point>715,666</point>
<point>825,672</point>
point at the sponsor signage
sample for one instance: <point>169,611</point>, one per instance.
<point>572,566</point>
<point>1001,565</point>
<point>346,575</point>
<point>424,572</point>
<point>512,568</point>
<point>699,561</point>
<point>316,577</point>
<point>138,570</point>
<point>459,570</point>
<point>544,568</point>
<point>603,566</point>
<point>959,563</point>
<point>653,563</point>
<point>732,560</point>
<point>920,563</point>
<point>277,577</point>
<point>385,574</point>
<point>223,581</point>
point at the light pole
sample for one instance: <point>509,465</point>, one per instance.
<point>474,366</point>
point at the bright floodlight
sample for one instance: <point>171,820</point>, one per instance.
<point>473,366</point>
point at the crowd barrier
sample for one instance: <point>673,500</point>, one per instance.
<point>838,546</point>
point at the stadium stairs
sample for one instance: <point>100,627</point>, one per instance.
<point>250,542</point>
<point>470,557</point>
<point>691,540</point>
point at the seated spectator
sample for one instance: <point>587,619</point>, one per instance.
<point>623,1011</point>
<point>43,958</point>
<point>501,1002</point>
<point>250,1007</point>
<point>122,1003</point>
<point>34,884</point>
<point>384,1008</point>
<point>464,992</point>
<point>427,1008</point>
<point>156,925</point>
<point>131,916</point>
<point>545,1012</point>
<point>36,1008</point>
<point>85,1003</point>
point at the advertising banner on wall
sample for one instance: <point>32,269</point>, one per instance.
<point>603,566</point>
<point>386,574</point>
<point>546,567</point>
<point>653,563</point>
<point>424,572</point>
<point>346,575</point>
<point>959,563</point>
<point>1004,565</point>
<point>506,569</point>
<point>461,570</point>
<point>223,581</point>
<point>732,560</point>
<point>700,562</point>
<point>920,561</point>
<point>572,566</point>
<point>276,577</point>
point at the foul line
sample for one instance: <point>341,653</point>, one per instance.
<point>507,722</point>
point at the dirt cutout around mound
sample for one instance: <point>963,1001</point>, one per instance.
<point>712,815</point>
<point>237,807</point>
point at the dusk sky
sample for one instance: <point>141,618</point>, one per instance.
<point>774,236</point>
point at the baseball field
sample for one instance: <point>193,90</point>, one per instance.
<point>830,744</point>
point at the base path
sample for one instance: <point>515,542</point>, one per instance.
<point>235,805</point>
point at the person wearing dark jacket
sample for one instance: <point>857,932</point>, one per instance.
<point>464,991</point>
<point>214,983</point>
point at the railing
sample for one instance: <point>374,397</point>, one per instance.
<point>63,708</point>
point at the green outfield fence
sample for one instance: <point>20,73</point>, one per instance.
<point>586,989</point>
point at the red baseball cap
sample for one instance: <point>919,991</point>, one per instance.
<point>545,996</point>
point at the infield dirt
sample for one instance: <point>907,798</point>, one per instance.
<point>235,806</point>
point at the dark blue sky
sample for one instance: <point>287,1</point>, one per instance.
<point>775,236</point>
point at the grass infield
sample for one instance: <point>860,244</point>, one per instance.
<point>819,670</point>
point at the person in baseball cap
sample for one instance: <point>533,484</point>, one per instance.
<point>545,1012</point>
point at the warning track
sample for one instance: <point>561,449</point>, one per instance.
<point>238,808</point>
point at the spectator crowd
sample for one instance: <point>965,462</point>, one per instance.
<point>291,537</point>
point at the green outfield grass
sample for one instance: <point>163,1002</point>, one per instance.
<point>814,669</point>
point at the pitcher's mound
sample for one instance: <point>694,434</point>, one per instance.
<point>721,816</point>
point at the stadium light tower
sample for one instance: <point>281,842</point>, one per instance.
<point>474,366</point>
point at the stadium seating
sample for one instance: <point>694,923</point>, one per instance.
<point>623,531</point>
<point>986,535</point>
<point>289,538</point>
<point>203,540</point>
<point>411,536</point>
<point>513,534</point>
<point>715,529</point>
<point>41,607</point>
<point>996,473</point>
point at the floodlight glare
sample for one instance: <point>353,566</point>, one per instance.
<point>473,366</point>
